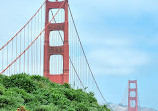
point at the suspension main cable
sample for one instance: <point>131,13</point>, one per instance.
<point>33,40</point>
<point>22,28</point>
<point>125,94</point>
<point>86,58</point>
<point>70,58</point>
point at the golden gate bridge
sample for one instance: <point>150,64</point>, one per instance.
<point>49,45</point>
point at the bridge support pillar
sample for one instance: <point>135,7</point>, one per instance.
<point>132,96</point>
<point>56,50</point>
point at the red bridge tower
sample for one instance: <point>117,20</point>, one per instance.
<point>56,50</point>
<point>132,96</point>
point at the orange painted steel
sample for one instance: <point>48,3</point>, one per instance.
<point>22,27</point>
<point>132,98</point>
<point>57,50</point>
<point>32,41</point>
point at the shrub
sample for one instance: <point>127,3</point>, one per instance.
<point>66,85</point>
<point>2,89</point>
<point>81,107</point>
<point>21,81</point>
<point>5,101</point>
<point>37,93</point>
<point>50,107</point>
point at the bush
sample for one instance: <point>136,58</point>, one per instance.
<point>66,85</point>
<point>37,93</point>
<point>5,101</point>
<point>21,81</point>
<point>2,89</point>
<point>81,107</point>
<point>50,107</point>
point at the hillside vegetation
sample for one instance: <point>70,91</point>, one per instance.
<point>37,93</point>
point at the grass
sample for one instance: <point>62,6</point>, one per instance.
<point>37,93</point>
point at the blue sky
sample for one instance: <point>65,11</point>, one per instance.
<point>120,38</point>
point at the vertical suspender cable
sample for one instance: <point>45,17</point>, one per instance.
<point>40,43</point>
<point>37,56</point>
<point>12,57</point>
<point>24,48</point>
<point>87,60</point>
<point>35,49</point>
<point>22,27</point>
<point>20,53</point>
<point>28,49</point>
<point>31,51</point>
<point>2,59</point>
<point>7,58</point>
<point>16,47</point>
<point>31,42</point>
<point>16,56</point>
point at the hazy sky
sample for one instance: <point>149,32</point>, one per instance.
<point>120,38</point>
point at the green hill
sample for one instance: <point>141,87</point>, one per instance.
<point>37,93</point>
